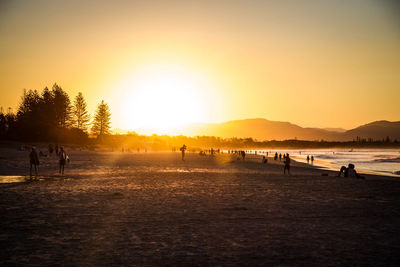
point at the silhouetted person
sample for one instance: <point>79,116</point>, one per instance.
<point>276,156</point>
<point>243,154</point>
<point>280,156</point>
<point>57,149</point>
<point>287,164</point>
<point>34,162</point>
<point>349,172</point>
<point>264,160</point>
<point>312,159</point>
<point>343,170</point>
<point>183,149</point>
<point>63,159</point>
<point>51,149</point>
<point>308,159</point>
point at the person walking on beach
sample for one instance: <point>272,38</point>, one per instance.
<point>34,161</point>
<point>63,159</point>
<point>308,159</point>
<point>183,148</point>
<point>276,156</point>
<point>280,157</point>
<point>287,164</point>
<point>312,159</point>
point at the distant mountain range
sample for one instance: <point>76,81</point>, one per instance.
<point>262,129</point>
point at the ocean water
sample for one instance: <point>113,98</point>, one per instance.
<point>383,162</point>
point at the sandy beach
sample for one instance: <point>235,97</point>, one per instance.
<point>152,209</point>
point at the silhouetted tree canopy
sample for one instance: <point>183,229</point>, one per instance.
<point>62,106</point>
<point>42,117</point>
<point>102,120</point>
<point>80,114</point>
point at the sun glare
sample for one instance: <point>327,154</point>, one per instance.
<point>160,99</point>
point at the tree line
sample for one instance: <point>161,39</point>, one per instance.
<point>51,116</point>
<point>133,142</point>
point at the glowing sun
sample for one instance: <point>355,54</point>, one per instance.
<point>161,98</point>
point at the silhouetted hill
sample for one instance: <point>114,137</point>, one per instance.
<point>262,129</point>
<point>337,130</point>
<point>375,130</point>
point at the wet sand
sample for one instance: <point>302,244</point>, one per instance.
<point>149,209</point>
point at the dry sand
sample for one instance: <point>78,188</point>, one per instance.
<point>153,209</point>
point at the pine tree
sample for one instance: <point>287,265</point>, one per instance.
<point>62,106</point>
<point>80,114</point>
<point>101,122</point>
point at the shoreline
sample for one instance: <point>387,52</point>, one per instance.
<point>88,164</point>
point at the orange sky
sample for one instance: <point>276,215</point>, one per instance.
<point>313,63</point>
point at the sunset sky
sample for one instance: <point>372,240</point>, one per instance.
<point>162,64</point>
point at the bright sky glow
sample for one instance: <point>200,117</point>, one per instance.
<point>160,98</point>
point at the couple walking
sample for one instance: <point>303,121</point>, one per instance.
<point>34,161</point>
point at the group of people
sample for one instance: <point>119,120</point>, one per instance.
<point>286,161</point>
<point>34,159</point>
<point>210,152</point>
<point>349,171</point>
<point>241,154</point>
<point>63,159</point>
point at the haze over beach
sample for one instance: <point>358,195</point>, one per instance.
<point>200,133</point>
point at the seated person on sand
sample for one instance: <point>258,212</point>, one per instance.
<point>349,172</point>
<point>264,160</point>
<point>34,161</point>
<point>63,159</point>
<point>286,164</point>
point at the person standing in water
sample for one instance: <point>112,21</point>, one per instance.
<point>34,161</point>
<point>183,148</point>
<point>63,158</point>
<point>287,164</point>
